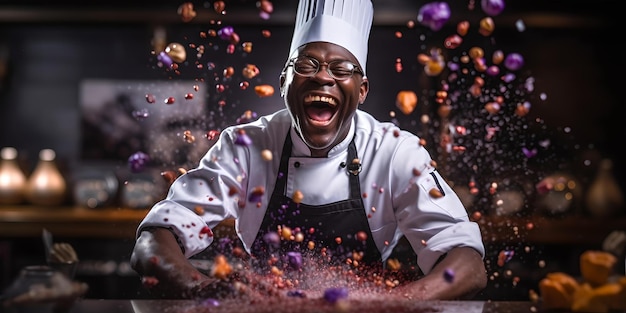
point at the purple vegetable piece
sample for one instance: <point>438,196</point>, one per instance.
<point>226,32</point>
<point>493,70</point>
<point>272,239</point>
<point>492,7</point>
<point>296,293</point>
<point>138,161</point>
<point>514,61</point>
<point>434,15</point>
<point>448,275</point>
<point>294,259</point>
<point>333,295</point>
<point>508,77</point>
<point>210,302</point>
<point>165,59</point>
<point>243,139</point>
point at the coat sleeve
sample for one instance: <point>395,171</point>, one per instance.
<point>428,211</point>
<point>201,198</point>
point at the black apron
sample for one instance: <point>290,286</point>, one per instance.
<point>335,226</point>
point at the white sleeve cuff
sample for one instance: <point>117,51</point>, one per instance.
<point>185,224</point>
<point>463,234</point>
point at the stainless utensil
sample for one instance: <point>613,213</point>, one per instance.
<point>60,256</point>
<point>47,242</point>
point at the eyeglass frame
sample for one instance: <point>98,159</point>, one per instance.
<point>356,68</point>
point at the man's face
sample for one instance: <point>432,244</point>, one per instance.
<point>322,107</point>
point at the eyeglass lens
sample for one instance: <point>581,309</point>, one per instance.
<point>338,69</point>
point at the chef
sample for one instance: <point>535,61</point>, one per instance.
<point>346,186</point>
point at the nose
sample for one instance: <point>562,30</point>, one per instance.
<point>322,75</point>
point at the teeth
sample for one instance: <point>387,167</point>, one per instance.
<point>328,100</point>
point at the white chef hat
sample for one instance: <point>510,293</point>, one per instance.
<point>346,23</point>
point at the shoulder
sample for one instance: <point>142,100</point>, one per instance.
<point>370,130</point>
<point>386,143</point>
<point>275,125</point>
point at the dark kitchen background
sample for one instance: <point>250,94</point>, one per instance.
<point>74,79</point>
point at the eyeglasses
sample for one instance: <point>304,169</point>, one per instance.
<point>337,69</point>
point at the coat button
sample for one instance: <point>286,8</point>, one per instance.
<point>296,164</point>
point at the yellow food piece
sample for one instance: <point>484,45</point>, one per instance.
<point>221,268</point>
<point>595,293</point>
<point>557,291</point>
<point>406,101</point>
<point>600,299</point>
<point>596,266</point>
<point>569,283</point>
<point>264,90</point>
<point>619,302</point>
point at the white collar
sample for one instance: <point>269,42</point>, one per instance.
<point>300,149</point>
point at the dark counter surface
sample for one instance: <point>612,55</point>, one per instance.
<point>296,305</point>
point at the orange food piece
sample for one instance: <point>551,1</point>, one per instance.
<point>435,193</point>
<point>250,71</point>
<point>406,101</point>
<point>221,268</point>
<point>568,282</point>
<point>553,296</point>
<point>619,301</point>
<point>557,291</point>
<point>597,266</point>
<point>297,196</point>
<point>264,90</point>
<point>596,293</point>
<point>600,299</point>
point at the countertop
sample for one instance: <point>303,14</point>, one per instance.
<point>298,305</point>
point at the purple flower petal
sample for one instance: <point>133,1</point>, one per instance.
<point>529,153</point>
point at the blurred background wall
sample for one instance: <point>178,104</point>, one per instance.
<point>571,57</point>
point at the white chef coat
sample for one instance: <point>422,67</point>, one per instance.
<point>396,178</point>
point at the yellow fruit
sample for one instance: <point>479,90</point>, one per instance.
<point>596,266</point>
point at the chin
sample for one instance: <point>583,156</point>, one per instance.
<point>316,141</point>
<point>319,143</point>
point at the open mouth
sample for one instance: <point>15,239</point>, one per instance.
<point>320,109</point>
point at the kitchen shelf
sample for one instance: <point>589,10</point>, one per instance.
<point>28,221</point>
<point>539,229</point>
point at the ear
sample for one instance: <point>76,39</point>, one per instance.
<point>282,80</point>
<point>364,89</point>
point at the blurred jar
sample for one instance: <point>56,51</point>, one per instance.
<point>142,190</point>
<point>558,194</point>
<point>510,195</point>
<point>41,289</point>
<point>95,188</point>
<point>604,197</point>
<point>46,185</point>
<point>12,178</point>
<point>32,277</point>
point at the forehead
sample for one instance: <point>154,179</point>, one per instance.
<point>325,51</point>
